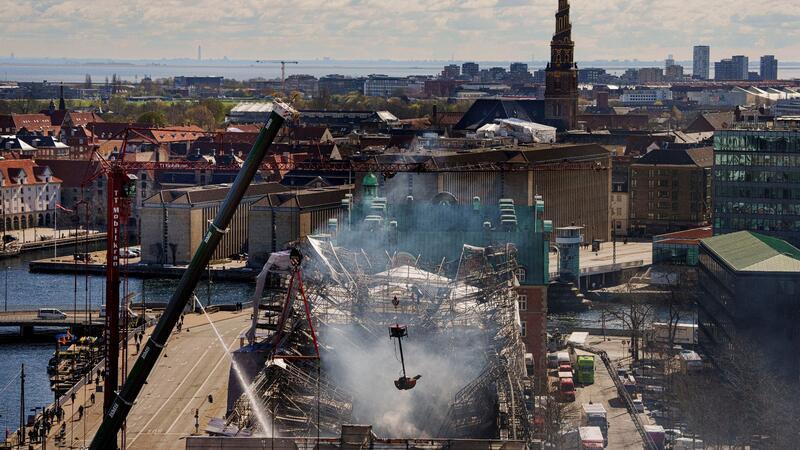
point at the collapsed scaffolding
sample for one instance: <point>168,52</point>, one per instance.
<point>468,318</point>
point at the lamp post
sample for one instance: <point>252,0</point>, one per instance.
<point>5,305</point>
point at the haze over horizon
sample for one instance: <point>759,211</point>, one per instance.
<point>484,30</point>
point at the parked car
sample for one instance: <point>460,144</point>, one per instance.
<point>638,405</point>
<point>51,314</point>
<point>128,253</point>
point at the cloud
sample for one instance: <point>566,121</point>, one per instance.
<point>387,29</point>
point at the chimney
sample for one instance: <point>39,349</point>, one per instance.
<point>602,100</point>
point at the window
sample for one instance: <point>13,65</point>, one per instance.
<point>523,302</point>
<point>521,273</point>
<point>524,329</point>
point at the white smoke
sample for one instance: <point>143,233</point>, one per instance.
<point>368,370</point>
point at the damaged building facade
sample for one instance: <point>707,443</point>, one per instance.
<point>320,354</point>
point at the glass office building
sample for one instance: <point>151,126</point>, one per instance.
<point>757,182</point>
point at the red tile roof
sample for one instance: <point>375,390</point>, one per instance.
<point>72,172</point>
<point>13,168</point>
<point>80,119</point>
<point>31,122</point>
<point>693,234</point>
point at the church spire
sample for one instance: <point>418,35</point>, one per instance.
<point>563,25</point>
<point>561,85</point>
<point>62,105</point>
<point>561,47</point>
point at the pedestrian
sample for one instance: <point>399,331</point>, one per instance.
<point>91,397</point>
<point>137,347</point>
<point>72,397</point>
<point>80,412</point>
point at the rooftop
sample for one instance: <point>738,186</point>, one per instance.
<point>746,251</point>
<point>700,157</point>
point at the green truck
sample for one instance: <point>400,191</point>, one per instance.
<point>584,370</point>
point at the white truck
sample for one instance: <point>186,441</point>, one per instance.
<point>594,415</point>
<point>682,333</point>
<point>591,438</point>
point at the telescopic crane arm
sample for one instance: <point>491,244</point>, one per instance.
<point>106,437</point>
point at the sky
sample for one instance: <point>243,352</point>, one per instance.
<point>483,30</point>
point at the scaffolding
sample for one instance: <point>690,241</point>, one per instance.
<point>346,288</point>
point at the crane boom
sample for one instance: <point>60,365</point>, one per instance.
<point>114,417</point>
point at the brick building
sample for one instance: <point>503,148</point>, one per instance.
<point>670,190</point>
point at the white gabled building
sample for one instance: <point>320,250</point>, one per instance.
<point>28,194</point>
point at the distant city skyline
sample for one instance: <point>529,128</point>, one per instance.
<point>484,30</point>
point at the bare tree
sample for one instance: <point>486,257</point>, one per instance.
<point>558,417</point>
<point>636,315</point>
<point>747,402</point>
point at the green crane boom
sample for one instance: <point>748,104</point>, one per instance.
<point>106,437</point>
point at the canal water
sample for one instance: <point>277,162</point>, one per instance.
<point>21,290</point>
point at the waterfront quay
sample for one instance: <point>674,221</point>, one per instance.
<point>93,263</point>
<point>187,388</point>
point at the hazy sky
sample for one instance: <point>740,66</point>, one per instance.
<point>395,29</point>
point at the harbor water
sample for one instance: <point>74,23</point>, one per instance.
<point>21,290</point>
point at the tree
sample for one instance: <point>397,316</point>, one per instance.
<point>558,418</point>
<point>636,315</point>
<point>745,401</point>
<point>152,119</point>
<point>217,109</point>
<point>201,116</point>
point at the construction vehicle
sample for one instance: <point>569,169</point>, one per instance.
<point>115,415</point>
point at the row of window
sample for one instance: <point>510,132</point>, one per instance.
<point>693,217</point>
<point>756,160</point>
<point>756,176</point>
<point>675,254</point>
<point>774,209</point>
<point>738,191</point>
<point>695,184</point>
<point>756,224</point>
<point>772,141</point>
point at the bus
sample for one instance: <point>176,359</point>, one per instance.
<point>584,372</point>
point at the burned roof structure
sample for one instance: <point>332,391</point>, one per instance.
<point>463,339</point>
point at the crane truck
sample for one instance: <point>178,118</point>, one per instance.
<point>115,415</point>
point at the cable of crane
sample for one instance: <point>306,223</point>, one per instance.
<point>8,384</point>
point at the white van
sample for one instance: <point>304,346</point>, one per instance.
<point>51,314</point>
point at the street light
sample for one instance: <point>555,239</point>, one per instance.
<point>5,307</point>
